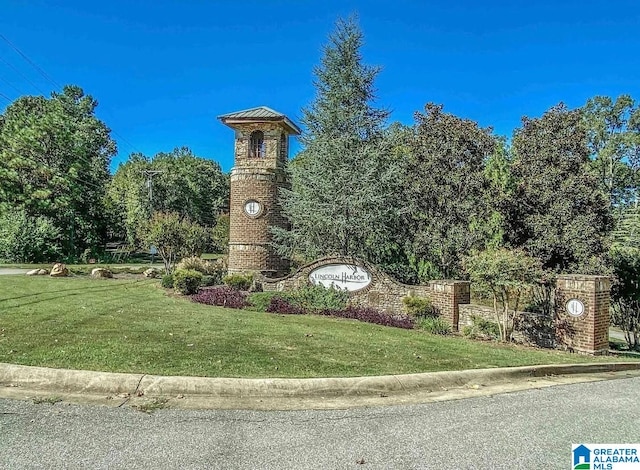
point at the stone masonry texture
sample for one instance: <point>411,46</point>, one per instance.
<point>384,293</point>
<point>259,180</point>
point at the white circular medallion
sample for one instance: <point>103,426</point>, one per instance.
<point>252,208</point>
<point>575,308</point>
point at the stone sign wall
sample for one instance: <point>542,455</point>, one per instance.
<point>580,322</point>
<point>368,286</point>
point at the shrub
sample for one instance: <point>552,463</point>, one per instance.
<point>481,328</point>
<point>418,306</point>
<point>167,281</point>
<point>202,266</point>
<point>187,281</point>
<point>238,281</point>
<point>434,325</point>
<point>222,296</point>
<point>26,239</point>
<point>260,301</point>
<point>208,281</point>
<point>316,298</point>
<point>371,315</point>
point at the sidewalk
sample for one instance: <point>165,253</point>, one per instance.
<point>116,389</point>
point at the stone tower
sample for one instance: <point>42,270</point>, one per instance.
<point>261,152</point>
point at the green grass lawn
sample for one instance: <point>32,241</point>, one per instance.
<point>135,326</point>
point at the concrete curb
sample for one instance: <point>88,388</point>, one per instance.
<point>107,383</point>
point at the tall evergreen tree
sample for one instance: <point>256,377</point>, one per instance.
<point>54,159</point>
<point>342,182</point>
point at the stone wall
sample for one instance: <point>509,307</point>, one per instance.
<point>384,293</point>
<point>530,328</point>
<point>587,333</point>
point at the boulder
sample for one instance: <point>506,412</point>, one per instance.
<point>151,273</point>
<point>59,270</point>
<point>101,273</point>
<point>37,272</point>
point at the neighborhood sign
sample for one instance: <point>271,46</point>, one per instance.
<point>341,276</point>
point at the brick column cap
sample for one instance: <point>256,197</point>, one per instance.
<point>448,282</point>
<point>582,277</point>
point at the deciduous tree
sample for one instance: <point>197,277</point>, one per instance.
<point>508,275</point>
<point>625,295</point>
<point>174,237</point>
<point>558,212</point>
<point>192,186</point>
<point>446,189</point>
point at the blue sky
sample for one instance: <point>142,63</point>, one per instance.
<point>163,70</point>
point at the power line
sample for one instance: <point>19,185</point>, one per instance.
<point>23,76</point>
<point>10,84</point>
<point>33,64</point>
<point>58,173</point>
<point>6,97</point>
<point>53,82</point>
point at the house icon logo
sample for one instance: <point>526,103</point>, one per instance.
<point>581,458</point>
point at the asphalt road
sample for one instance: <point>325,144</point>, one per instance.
<point>531,429</point>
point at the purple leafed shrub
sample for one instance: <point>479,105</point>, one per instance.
<point>365,314</point>
<point>371,315</point>
<point>223,296</point>
<point>280,305</point>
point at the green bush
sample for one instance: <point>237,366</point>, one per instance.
<point>418,306</point>
<point>259,301</point>
<point>167,281</point>
<point>309,299</point>
<point>208,281</point>
<point>481,328</point>
<point>316,298</point>
<point>202,266</point>
<point>187,281</point>
<point>434,325</point>
<point>239,281</point>
<point>26,239</point>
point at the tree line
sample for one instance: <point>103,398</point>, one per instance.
<point>418,200</point>
<point>445,198</point>
<point>58,200</point>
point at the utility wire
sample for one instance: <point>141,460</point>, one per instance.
<point>207,219</point>
<point>6,97</point>
<point>52,81</point>
<point>33,64</point>
<point>23,76</point>
<point>58,173</point>
<point>10,84</point>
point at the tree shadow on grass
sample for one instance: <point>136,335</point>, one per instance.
<point>70,292</point>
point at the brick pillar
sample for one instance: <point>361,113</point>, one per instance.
<point>446,296</point>
<point>585,331</point>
